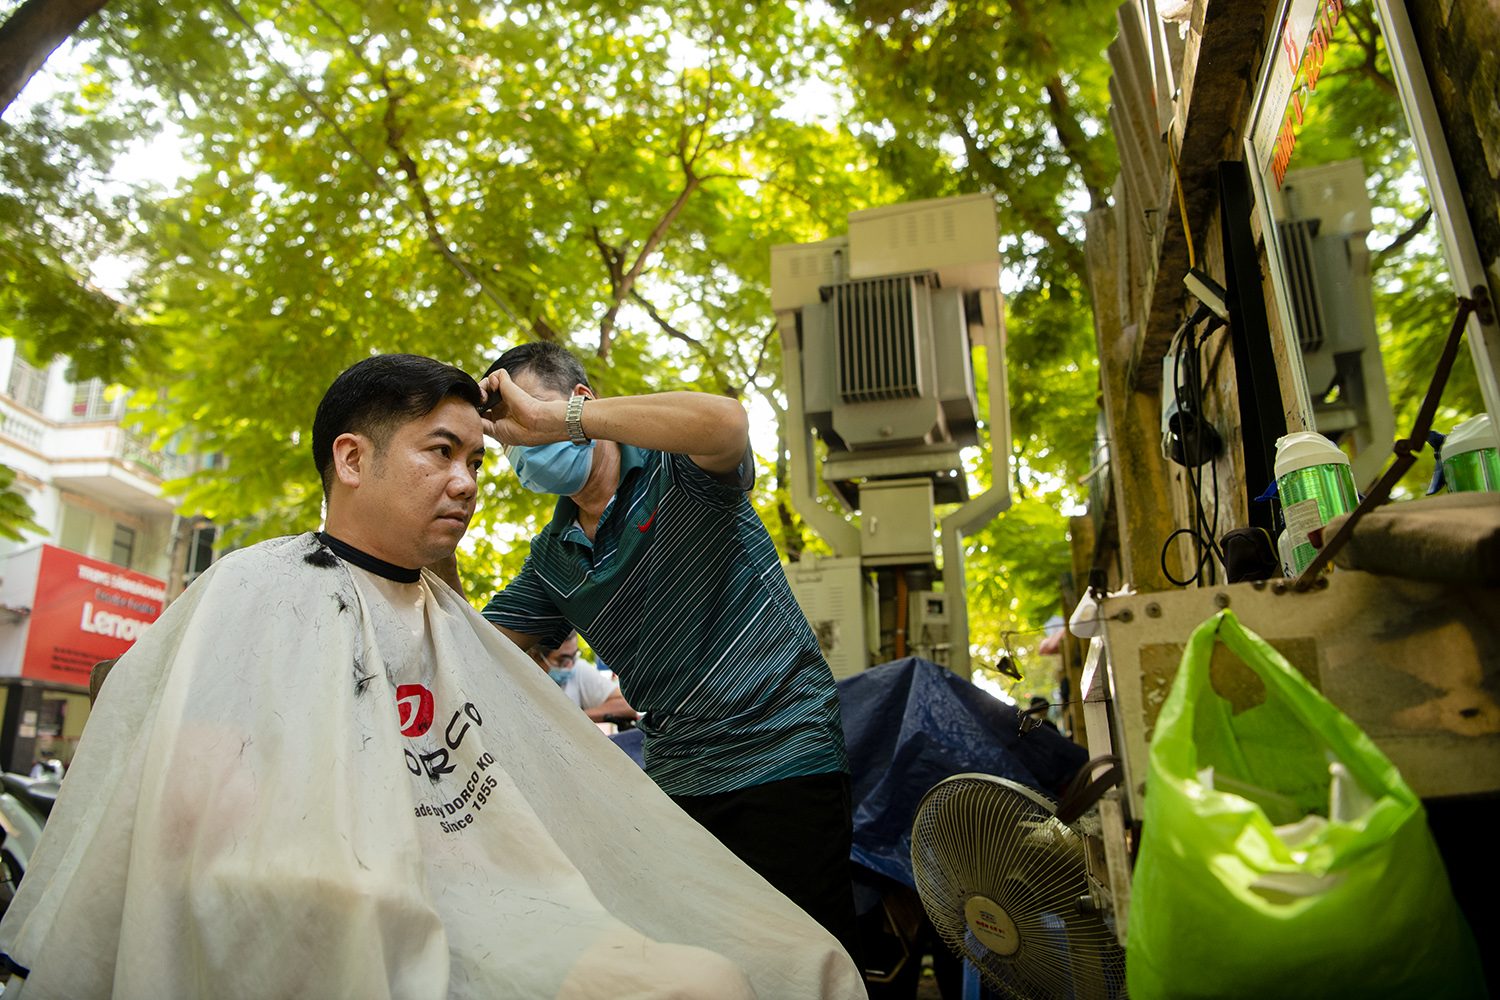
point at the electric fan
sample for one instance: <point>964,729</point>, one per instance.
<point>1006,885</point>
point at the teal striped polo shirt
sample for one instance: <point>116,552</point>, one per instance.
<point>682,594</point>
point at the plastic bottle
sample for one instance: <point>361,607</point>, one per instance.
<point>1316,484</point>
<point>1284,553</point>
<point>1471,457</point>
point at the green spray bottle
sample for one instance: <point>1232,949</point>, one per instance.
<point>1471,457</point>
<point>1315,484</point>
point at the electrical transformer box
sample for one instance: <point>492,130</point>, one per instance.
<point>834,594</point>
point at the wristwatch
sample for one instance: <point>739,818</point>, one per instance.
<point>574,419</point>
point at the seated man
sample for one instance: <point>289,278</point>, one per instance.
<point>588,687</point>
<point>322,774</point>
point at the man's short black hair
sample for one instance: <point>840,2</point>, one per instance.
<point>378,395</point>
<point>553,365</point>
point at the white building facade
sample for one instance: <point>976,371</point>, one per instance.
<point>112,550</point>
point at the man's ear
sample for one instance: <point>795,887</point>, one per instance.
<point>582,390</point>
<point>351,457</point>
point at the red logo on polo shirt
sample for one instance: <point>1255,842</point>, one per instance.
<point>643,527</point>
<point>415,705</point>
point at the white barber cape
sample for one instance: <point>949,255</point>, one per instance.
<point>309,781</point>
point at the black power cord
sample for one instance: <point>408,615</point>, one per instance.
<point>1198,444</point>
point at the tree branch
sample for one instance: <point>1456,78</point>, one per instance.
<point>1070,136</point>
<point>607,325</point>
<point>1369,67</point>
<point>667,327</point>
<point>613,260</point>
<point>708,100</point>
<point>354,48</point>
<point>704,351</point>
<point>760,355</point>
<point>31,34</point>
<point>1041,225</point>
<point>1409,234</point>
<point>1059,109</point>
<point>395,132</point>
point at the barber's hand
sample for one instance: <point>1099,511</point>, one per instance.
<point>518,418</point>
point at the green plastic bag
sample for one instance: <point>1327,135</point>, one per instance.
<point>1244,887</point>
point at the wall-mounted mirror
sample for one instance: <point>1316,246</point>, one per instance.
<point>1354,234</point>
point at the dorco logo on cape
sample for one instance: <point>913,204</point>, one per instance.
<point>414,702</point>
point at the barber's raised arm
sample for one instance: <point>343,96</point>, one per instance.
<point>525,642</point>
<point>711,430</point>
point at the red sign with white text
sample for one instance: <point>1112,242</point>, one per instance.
<point>85,610</point>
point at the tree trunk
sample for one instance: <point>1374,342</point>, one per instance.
<point>31,34</point>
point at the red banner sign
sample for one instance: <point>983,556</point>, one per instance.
<point>85,610</point>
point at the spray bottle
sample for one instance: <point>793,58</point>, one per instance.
<point>1471,456</point>
<point>1316,484</point>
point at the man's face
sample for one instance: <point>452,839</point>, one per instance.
<point>564,656</point>
<point>419,491</point>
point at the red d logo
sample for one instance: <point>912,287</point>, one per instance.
<point>415,705</point>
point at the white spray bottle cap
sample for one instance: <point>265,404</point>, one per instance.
<point>1304,449</point>
<point>1474,434</point>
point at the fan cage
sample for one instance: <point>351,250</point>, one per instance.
<point>980,835</point>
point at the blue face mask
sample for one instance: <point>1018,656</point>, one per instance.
<point>561,468</point>
<point>560,674</point>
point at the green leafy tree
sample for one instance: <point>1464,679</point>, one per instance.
<point>376,179</point>
<point>57,217</point>
<point>15,513</point>
<point>379,177</point>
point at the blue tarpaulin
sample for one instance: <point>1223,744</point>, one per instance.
<point>911,723</point>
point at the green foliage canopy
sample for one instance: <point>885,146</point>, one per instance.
<point>387,178</point>
<point>448,179</point>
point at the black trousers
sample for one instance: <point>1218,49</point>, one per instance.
<point>796,833</point>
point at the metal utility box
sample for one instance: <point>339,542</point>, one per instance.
<point>956,237</point>
<point>798,270</point>
<point>896,521</point>
<point>884,323</point>
<point>927,625</point>
<point>885,364</point>
<point>878,333</point>
<point>1328,271</point>
<point>834,595</point>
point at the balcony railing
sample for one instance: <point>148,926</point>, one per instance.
<point>161,464</point>
<point>20,428</point>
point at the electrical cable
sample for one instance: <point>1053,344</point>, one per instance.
<point>1195,370</point>
<point>1187,233</point>
<point>1177,373</point>
<point>1186,349</point>
<point>1213,534</point>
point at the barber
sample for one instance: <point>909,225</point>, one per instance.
<point>656,557</point>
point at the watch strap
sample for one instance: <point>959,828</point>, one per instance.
<point>574,418</point>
